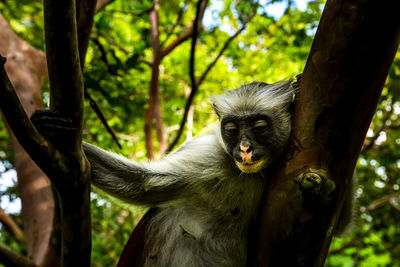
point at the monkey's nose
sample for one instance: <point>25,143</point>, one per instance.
<point>245,148</point>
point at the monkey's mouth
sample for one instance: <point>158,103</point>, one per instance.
<point>250,167</point>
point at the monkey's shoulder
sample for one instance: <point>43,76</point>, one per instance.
<point>204,150</point>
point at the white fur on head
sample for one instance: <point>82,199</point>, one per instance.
<point>256,97</point>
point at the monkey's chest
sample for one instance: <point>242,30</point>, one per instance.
<point>209,229</point>
<point>180,237</point>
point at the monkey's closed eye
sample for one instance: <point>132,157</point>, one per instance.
<point>230,127</point>
<point>260,126</point>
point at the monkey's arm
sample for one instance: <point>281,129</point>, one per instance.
<point>131,181</point>
<point>155,182</point>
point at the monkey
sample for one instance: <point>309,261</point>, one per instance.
<point>205,195</point>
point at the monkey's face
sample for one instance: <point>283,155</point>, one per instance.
<point>250,140</point>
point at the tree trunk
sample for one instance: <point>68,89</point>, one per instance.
<point>346,69</point>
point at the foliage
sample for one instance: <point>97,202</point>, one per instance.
<point>270,49</point>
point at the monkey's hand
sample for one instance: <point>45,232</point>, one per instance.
<point>53,126</point>
<point>316,186</point>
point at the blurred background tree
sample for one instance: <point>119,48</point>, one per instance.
<point>272,46</point>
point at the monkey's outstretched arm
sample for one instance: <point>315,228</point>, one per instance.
<point>133,182</point>
<point>176,176</point>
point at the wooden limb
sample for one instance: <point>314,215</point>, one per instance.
<point>19,122</point>
<point>11,226</point>
<point>27,70</point>
<point>11,259</point>
<point>188,32</point>
<point>65,73</point>
<point>352,243</point>
<point>66,97</point>
<point>103,56</point>
<point>103,120</point>
<point>154,90</point>
<point>392,199</point>
<point>134,13</point>
<point>371,142</point>
<point>351,55</point>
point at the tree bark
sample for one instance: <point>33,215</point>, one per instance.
<point>66,86</point>
<point>346,69</point>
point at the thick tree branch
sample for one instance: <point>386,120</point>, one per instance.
<point>66,88</point>
<point>63,61</point>
<point>19,122</point>
<point>346,69</point>
<point>11,259</point>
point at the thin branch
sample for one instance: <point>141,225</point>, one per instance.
<point>121,48</point>
<point>226,44</point>
<point>371,142</point>
<point>99,114</point>
<point>11,259</point>
<point>201,7</point>
<point>354,242</point>
<point>103,56</point>
<point>192,77</point>
<point>203,76</point>
<point>111,41</point>
<point>11,226</point>
<point>392,199</point>
<point>134,13</point>
<point>178,21</point>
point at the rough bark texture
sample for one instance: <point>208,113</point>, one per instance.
<point>26,67</point>
<point>66,85</point>
<point>346,69</point>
